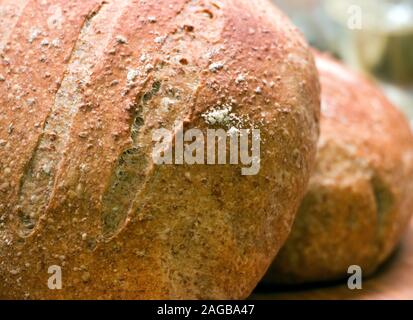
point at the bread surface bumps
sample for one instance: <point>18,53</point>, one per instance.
<point>359,200</point>
<point>83,86</point>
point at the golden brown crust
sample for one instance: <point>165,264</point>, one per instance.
<point>359,199</point>
<point>9,16</point>
<point>179,231</point>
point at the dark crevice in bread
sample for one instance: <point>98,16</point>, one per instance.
<point>39,176</point>
<point>385,202</point>
<point>128,176</point>
<point>383,197</point>
<point>131,171</point>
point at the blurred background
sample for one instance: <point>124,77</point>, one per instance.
<point>374,37</point>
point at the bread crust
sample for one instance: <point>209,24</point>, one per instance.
<point>183,231</point>
<point>359,199</point>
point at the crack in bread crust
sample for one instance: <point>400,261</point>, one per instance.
<point>39,177</point>
<point>131,171</point>
<point>126,180</point>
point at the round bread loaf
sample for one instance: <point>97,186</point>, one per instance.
<point>359,199</point>
<point>84,210</point>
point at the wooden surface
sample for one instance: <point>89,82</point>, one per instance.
<point>393,281</point>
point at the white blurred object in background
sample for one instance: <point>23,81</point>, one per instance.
<point>371,36</point>
<point>308,15</point>
<point>382,47</point>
